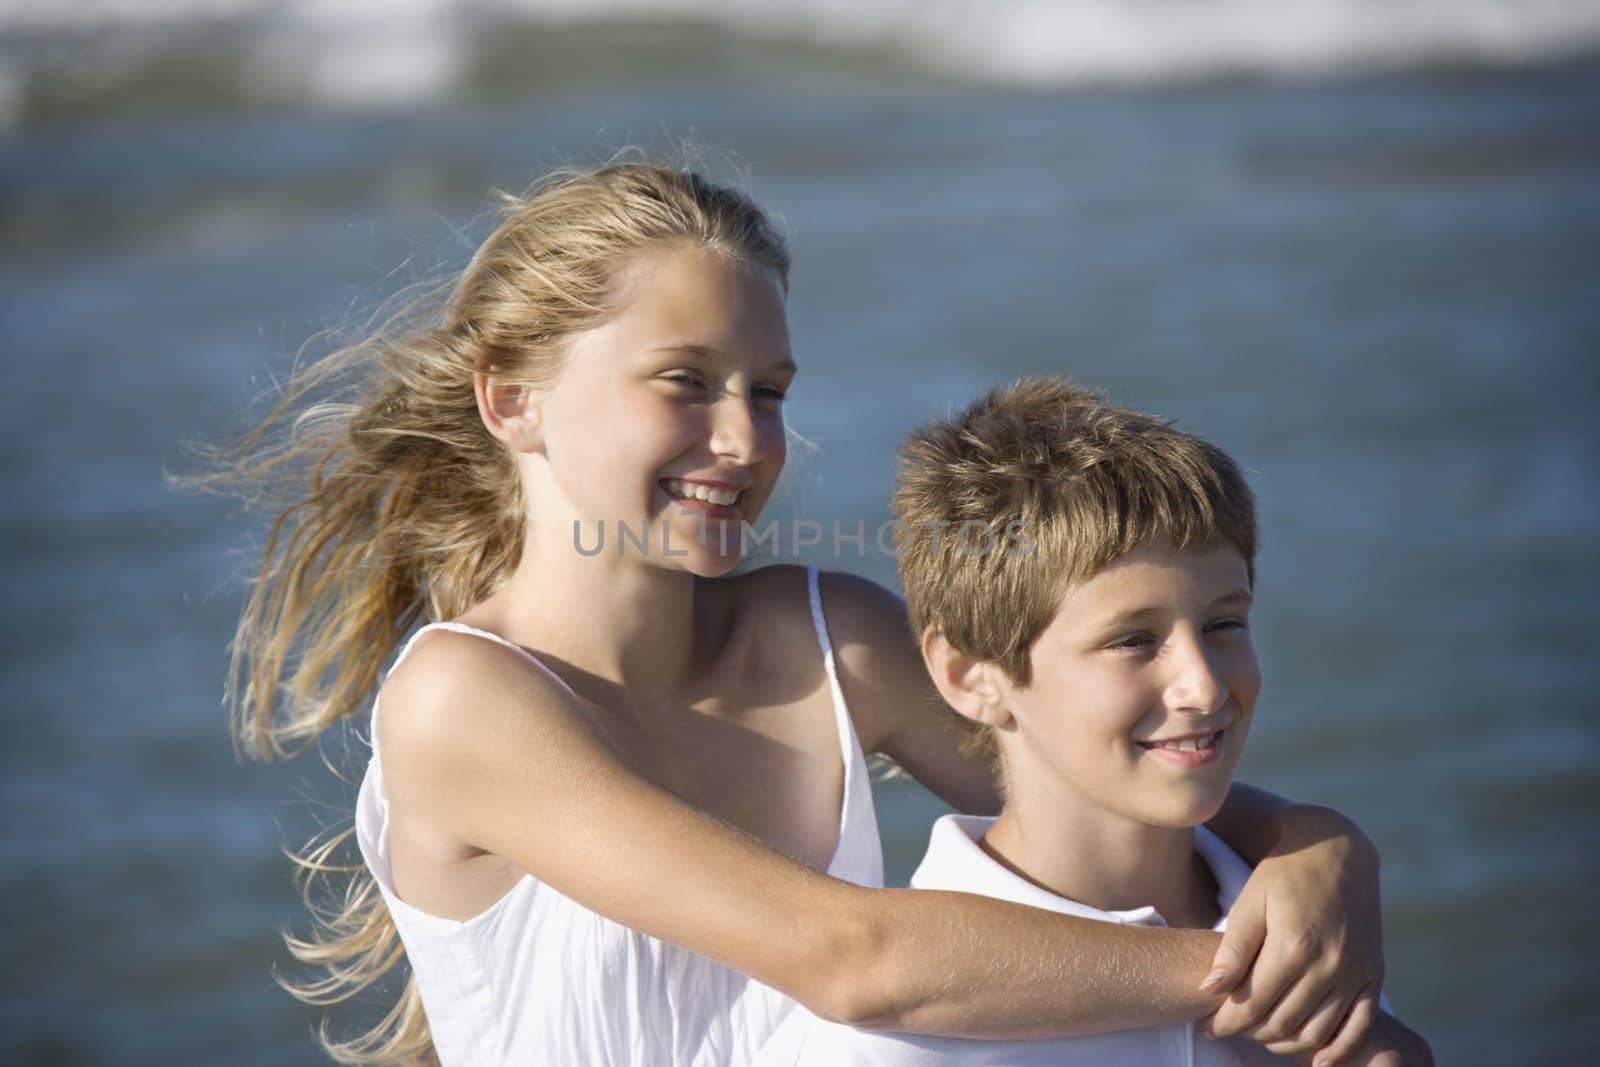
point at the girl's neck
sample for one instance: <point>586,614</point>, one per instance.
<point>627,623</point>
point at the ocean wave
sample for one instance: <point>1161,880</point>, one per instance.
<point>370,53</point>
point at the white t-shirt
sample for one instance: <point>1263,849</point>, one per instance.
<point>954,861</point>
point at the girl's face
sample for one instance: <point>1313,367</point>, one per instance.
<point>666,425</point>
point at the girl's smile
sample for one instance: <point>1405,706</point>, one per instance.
<point>668,418</point>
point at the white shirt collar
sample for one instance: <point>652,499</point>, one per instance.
<point>955,862</point>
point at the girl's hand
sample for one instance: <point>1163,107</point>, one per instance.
<point>1390,1043</point>
<point>1308,927</point>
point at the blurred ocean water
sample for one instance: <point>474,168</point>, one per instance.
<point>121,53</point>
<point>1375,289</point>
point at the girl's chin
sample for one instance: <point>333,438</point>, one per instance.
<point>681,543</point>
<point>699,564</point>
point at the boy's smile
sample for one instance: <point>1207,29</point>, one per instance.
<point>1142,690</point>
<point>1194,750</point>
<point>1127,735</point>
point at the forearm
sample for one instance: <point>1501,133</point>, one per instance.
<point>961,965</point>
<point>1255,824</point>
<point>1251,821</point>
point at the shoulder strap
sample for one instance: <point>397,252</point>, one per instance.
<point>462,628</point>
<point>841,712</point>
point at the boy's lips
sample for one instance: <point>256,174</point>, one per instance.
<point>1187,750</point>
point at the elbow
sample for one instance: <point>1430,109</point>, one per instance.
<point>854,981</point>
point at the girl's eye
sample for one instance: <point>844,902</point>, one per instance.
<point>771,392</point>
<point>1228,624</point>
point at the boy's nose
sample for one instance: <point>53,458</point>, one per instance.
<point>1196,685</point>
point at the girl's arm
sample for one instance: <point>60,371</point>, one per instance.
<point>1307,927</point>
<point>483,753</point>
<point>1305,853</point>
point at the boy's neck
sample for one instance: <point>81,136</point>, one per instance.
<point>1106,861</point>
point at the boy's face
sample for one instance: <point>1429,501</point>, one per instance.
<point>1142,692</point>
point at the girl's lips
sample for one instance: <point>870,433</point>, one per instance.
<point>706,507</point>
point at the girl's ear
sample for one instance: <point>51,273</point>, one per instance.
<point>509,412</point>
<point>969,685</point>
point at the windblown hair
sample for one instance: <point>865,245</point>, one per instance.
<point>394,505</point>
<point>1057,483</point>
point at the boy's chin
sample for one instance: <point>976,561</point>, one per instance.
<point>1185,811</point>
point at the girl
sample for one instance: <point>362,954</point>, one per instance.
<point>616,810</point>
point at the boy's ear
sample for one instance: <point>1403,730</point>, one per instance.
<point>509,412</point>
<point>967,684</point>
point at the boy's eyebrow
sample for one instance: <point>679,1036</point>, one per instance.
<point>714,353</point>
<point>1125,618</point>
<point>1238,597</point>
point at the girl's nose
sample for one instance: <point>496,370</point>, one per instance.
<point>736,431</point>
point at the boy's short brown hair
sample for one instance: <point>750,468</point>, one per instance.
<point>1064,483</point>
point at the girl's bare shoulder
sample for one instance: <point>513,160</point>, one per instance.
<point>876,659</point>
<point>771,600</point>
<point>459,686</point>
<point>780,592</point>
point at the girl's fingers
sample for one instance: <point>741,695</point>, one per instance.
<point>1241,943</point>
<point>1315,1031</point>
<point>1353,1033</point>
<point>1276,970</point>
<point>1286,1021</point>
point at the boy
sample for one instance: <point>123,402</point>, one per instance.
<point>1080,576</point>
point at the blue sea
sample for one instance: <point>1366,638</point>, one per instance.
<point>1357,245</point>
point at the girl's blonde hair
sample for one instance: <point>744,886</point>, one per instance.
<point>395,505</point>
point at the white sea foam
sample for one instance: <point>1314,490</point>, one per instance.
<point>377,52</point>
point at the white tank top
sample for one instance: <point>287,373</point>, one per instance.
<point>539,979</point>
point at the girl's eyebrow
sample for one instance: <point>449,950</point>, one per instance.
<point>712,352</point>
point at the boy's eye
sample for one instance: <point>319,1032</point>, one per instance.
<point>1228,624</point>
<point>771,392</point>
<point>1133,641</point>
<point>688,378</point>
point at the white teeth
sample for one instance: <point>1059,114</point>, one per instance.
<point>1192,744</point>
<point>691,491</point>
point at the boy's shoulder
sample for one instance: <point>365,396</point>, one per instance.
<point>955,861</point>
